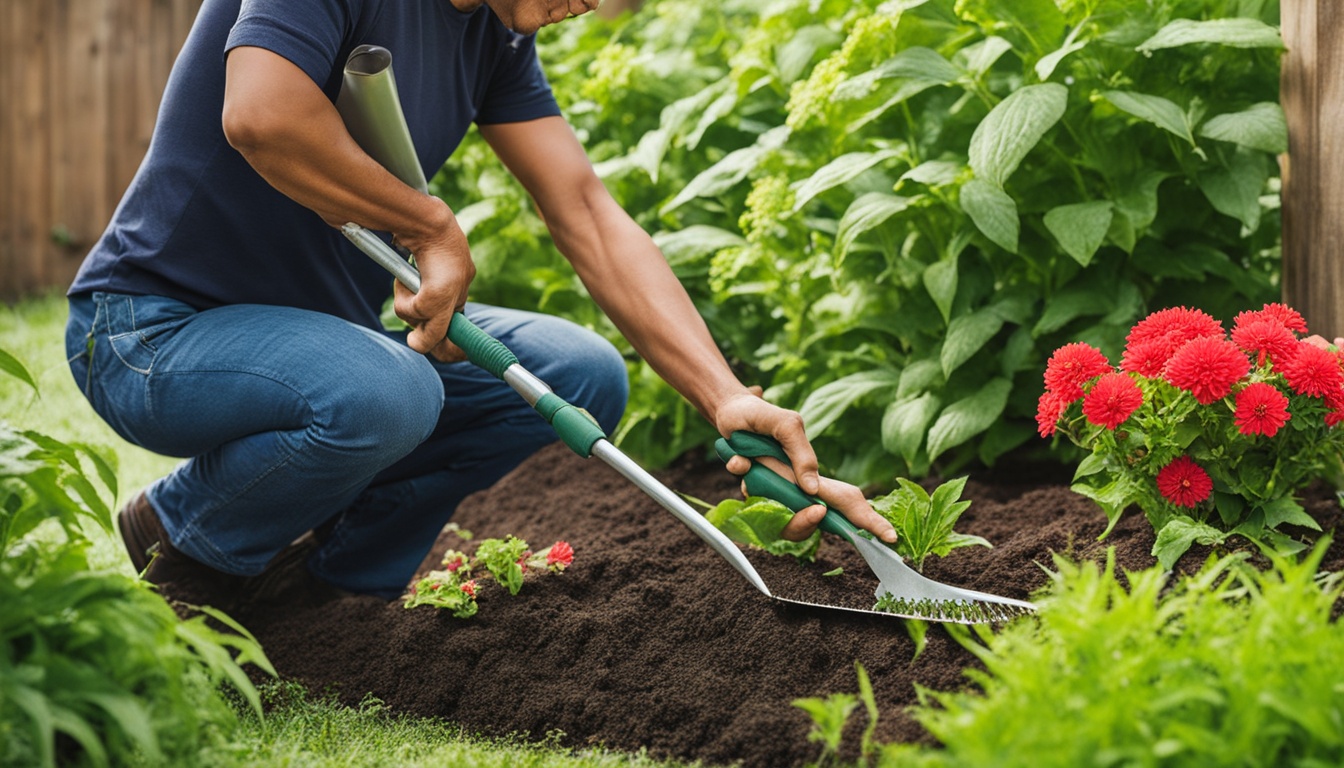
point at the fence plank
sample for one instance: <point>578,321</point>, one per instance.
<point>1313,178</point>
<point>27,203</point>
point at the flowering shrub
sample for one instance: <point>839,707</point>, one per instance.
<point>1209,433</point>
<point>454,586</point>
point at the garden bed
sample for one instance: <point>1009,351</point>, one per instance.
<point>650,640</point>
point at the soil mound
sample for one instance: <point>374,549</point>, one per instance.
<point>650,640</point>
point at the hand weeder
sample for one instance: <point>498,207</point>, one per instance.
<point>901,589</point>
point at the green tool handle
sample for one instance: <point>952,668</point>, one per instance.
<point>764,481</point>
<point>481,348</point>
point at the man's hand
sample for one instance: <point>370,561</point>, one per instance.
<point>748,412</point>
<point>446,272</point>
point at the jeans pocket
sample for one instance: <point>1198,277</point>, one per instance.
<point>134,323</point>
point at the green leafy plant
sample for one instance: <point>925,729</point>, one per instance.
<point>758,522</point>
<point>1230,666</point>
<point>95,668</point>
<point>924,522</point>
<point>1209,433</point>
<point>454,587</point>
<point>830,714</point>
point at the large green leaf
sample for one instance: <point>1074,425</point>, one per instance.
<point>905,422</point>
<point>828,403</point>
<point>1234,189</point>
<point>11,365</point>
<point>967,335</point>
<point>867,212</point>
<point>728,172</point>
<point>1013,128</point>
<point>940,280</point>
<point>1261,127</point>
<point>922,65</point>
<point>993,211</point>
<point>1238,33</point>
<point>1162,112</point>
<point>968,417</point>
<point>695,242</point>
<point>840,170</point>
<point>1080,228</point>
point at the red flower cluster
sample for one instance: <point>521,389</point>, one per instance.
<point>1184,483</point>
<point>1263,366</point>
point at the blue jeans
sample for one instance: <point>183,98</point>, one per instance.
<point>291,421</point>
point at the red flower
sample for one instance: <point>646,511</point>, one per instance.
<point>469,587</point>
<point>560,554</point>
<point>1261,409</point>
<point>1265,337</point>
<point>1148,358</point>
<point>1111,400</point>
<point>1313,371</point>
<point>1207,368</point>
<point>1291,318</point>
<point>1071,366</point>
<point>1049,408</point>
<point>1176,325</point>
<point>1184,483</point>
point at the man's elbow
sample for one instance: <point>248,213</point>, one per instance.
<point>247,127</point>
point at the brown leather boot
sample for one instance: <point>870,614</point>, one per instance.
<point>286,579</point>
<point>177,575</point>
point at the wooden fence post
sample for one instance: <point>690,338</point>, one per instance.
<point>1313,172</point>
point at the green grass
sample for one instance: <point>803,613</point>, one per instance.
<point>298,730</point>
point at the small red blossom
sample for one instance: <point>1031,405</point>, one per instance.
<point>1313,371</point>
<point>453,565</point>
<point>561,554</point>
<point>1049,408</point>
<point>1207,368</point>
<point>1265,337</point>
<point>1184,483</point>
<point>1176,324</point>
<point>469,587</point>
<point>1111,400</point>
<point>1261,409</point>
<point>1071,366</point>
<point>1291,318</point>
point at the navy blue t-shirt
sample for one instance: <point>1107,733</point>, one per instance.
<point>198,224</point>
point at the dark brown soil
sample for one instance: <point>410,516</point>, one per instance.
<point>650,640</point>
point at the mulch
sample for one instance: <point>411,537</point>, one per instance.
<point>651,641</point>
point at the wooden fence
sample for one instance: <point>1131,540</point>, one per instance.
<point>80,82</point>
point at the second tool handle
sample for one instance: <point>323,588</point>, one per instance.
<point>763,481</point>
